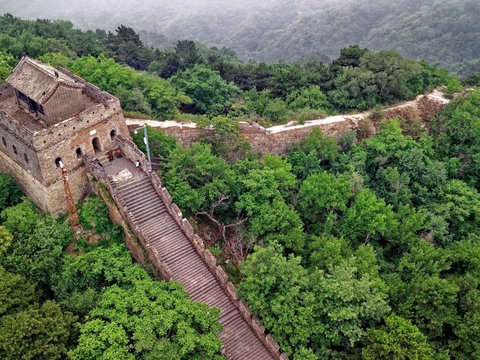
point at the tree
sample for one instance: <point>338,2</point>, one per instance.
<point>311,97</point>
<point>225,138</point>
<point>367,219</point>
<point>312,154</point>
<point>5,239</point>
<point>323,196</point>
<point>349,298</point>
<point>7,62</point>
<point>457,137</point>
<point>36,249</point>
<point>82,279</point>
<point>276,111</point>
<point>149,320</point>
<point>21,219</point>
<point>36,333</point>
<point>128,48</point>
<point>459,205</point>
<point>261,198</point>
<point>56,59</point>
<point>10,192</point>
<point>104,72</point>
<point>399,339</point>
<point>354,88</point>
<point>94,215</point>
<point>277,289</point>
<point>196,177</point>
<point>257,101</point>
<point>160,145</point>
<point>16,292</point>
<point>391,74</point>
<point>210,94</point>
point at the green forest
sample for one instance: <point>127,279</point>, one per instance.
<point>438,31</point>
<point>87,299</point>
<point>347,249</point>
<point>193,82</point>
<point>361,247</point>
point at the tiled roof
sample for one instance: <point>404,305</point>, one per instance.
<point>39,81</point>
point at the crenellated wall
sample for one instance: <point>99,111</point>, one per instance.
<point>277,139</point>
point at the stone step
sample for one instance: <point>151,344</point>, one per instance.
<point>161,232</point>
<point>153,209</point>
<point>140,190</point>
<point>146,202</point>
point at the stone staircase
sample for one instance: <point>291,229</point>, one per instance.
<point>164,236</point>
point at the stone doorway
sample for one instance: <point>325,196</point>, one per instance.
<point>96,145</point>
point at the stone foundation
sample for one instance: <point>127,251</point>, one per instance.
<point>49,199</point>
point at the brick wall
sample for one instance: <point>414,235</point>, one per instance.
<point>268,140</point>
<point>5,91</point>
<point>50,199</point>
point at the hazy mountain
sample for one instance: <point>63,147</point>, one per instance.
<point>443,31</point>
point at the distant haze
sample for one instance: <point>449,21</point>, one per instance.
<point>444,31</point>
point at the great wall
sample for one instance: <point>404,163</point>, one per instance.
<point>43,138</point>
<point>277,139</point>
<point>146,208</point>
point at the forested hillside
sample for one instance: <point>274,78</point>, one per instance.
<point>347,248</point>
<point>192,81</point>
<point>361,247</point>
<point>62,297</point>
<point>439,31</point>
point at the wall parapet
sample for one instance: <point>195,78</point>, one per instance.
<point>278,139</point>
<point>130,151</point>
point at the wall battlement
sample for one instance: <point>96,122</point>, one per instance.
<point>277,139</point>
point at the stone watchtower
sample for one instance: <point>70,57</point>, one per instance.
<point>48,116</point>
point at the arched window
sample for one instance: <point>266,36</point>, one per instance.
<point>79,153</point>
<point>96,144</point>
<point>58,162</point>
<point>113,134</point>
<point>4,141</point>
<point>15,149</point>
<point>25,157</point>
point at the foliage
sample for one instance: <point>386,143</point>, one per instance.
<point>36,250</point>
<point>400,339</point>
<point>94,215</point>
<point>160,144</point>
<point>211,94</point>
<point>311,97</point>
<point>149,320</point>
<point>10,192</point>
<point>456,132</point>
<point>277,289</point>
<point>16,292</point>
<point>35,333</point>
<point>7,62</point>
<point>147,92</point>
<point>196,177</point>
<point>225,138</point>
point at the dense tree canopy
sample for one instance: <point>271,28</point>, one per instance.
<point>55,305</point>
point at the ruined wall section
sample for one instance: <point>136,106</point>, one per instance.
<point>278,143</point>
<point>6,91</point>
<point>277,140</point>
